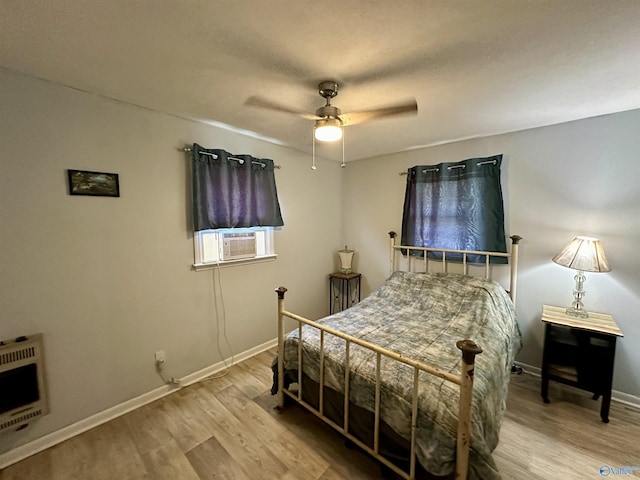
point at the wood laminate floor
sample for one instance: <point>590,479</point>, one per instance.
<point>227,428</point>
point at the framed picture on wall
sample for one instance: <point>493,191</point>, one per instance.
<point>82,182</point>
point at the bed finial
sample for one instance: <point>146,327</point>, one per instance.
<point>515,239</point>
<point>280,291</point>
<point>469,350</point>
<point>392,234</point>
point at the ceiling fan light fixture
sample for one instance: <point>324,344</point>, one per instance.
<point>328,130</point>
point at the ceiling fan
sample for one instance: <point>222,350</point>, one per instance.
<point>329,119</point>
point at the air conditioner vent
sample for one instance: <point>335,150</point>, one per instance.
<point>238,245</point>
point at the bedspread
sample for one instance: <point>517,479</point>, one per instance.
<point>421,316</point>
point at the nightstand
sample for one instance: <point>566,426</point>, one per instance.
<point>579,352</point>
<point>344,291</point>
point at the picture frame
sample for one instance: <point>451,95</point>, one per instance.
<point>97,184</point>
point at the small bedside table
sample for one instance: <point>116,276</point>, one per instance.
<point>344,291</point>
<point>579,352</point>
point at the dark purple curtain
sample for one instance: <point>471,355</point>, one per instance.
<point>233,191</point>
<point>455,205</point>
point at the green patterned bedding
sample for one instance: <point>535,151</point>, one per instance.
<point>421,316</point>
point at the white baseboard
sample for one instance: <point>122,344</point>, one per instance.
<point>616,396</point>
<point>54,438</point>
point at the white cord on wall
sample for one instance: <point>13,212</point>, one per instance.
<point>173,381</point>
<point>224,321</point>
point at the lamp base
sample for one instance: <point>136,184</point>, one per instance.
<point>577,312</point>
<point>577,307</point>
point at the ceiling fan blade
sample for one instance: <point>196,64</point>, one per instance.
<point>353,118</point>
<point>264,103</point>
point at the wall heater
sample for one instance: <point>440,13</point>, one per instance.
<point>23,395</point>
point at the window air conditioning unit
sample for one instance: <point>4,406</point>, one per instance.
<point>238,245</point>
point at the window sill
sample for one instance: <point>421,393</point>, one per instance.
<point>231,263</point>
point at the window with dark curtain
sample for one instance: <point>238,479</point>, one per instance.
<point>455,205</point>
<point>233,191</point>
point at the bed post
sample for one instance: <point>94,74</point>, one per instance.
<point>392,251</point>
<point>469,352</point>
<point>513,280</point>
<point>280,291</point>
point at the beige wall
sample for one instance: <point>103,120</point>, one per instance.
<point>108,281</point>
<point>560,181</point>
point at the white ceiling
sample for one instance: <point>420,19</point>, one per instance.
<point>476,67</point>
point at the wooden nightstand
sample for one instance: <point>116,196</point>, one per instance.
<point>579,352</point>
<point>344,291</point>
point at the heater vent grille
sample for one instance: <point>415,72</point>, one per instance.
<point>17,355</point>
<point>20,419</point>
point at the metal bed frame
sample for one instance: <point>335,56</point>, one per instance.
<point>464,380</point>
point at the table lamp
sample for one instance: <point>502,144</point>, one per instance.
<point>584,254</point>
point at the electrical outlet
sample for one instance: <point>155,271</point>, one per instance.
<point>161,356</point>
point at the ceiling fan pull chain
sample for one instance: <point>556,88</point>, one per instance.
<point>343,164</point>
<point>313,149</point>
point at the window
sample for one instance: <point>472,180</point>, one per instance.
<point>235,207</point>
<point>455,205</point>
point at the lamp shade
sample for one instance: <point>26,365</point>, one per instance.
<point>346,257</point>
<point>328,129</point>
<point>585,254</point>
